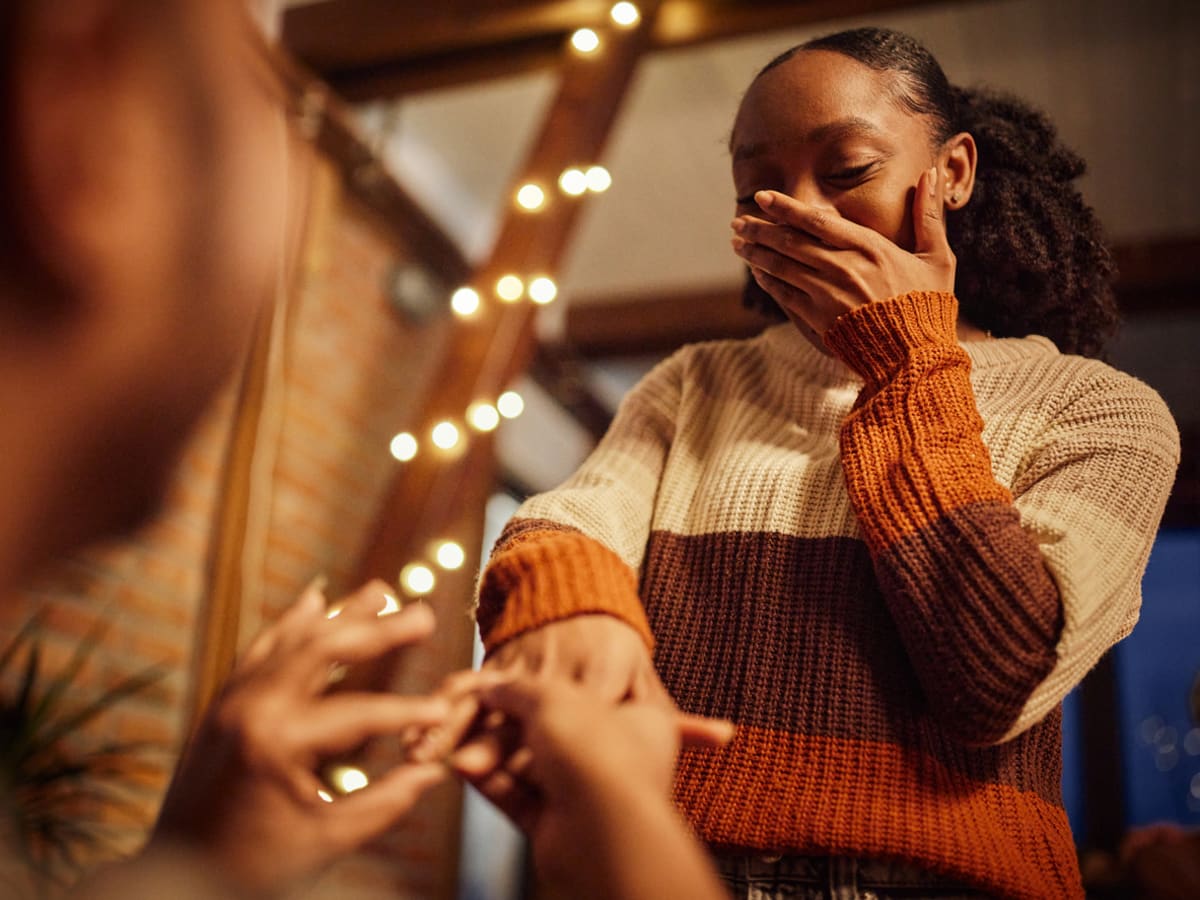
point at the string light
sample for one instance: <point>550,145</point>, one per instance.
<point>347,779</point>
<point>542,290</point>
<point>417,579</point>
<point>531,197</point>
<point>625,14</point>
<point>510,404</point>
<point>450,555</point>
<point>404,446</point>
<point>465,302</point>
<point>598,179</point>
<point>572,181</point>
<point>445,435</point>
<point>585,40</point>
<point>510,288</point>
<point>483,416</point>
<point>391,605</point>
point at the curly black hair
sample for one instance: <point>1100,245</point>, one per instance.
<point>1031,253</point>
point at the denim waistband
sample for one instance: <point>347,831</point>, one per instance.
<point>871,874</point>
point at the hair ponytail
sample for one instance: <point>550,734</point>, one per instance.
<point>1031,254</point>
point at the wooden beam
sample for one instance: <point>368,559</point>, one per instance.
<point>1158,276</point>
<point>631,325</point>
<point>366,51</point>
<point>348,34</point>
<point>560,373</point>
<point>484,358</point>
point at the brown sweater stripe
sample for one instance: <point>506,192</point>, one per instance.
<point>992,644</point>
<point>820,626</point>
<point>866,799</point>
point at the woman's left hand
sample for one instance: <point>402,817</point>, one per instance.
<point>819,266</point>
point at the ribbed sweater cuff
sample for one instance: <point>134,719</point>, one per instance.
<point>549,576</point>
<point>876,340</point>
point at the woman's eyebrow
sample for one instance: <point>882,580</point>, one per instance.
<point>849,127</point>
<point>840,129</point>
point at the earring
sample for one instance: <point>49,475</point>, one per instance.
<point>954,198</point>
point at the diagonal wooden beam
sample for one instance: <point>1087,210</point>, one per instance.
<point>484,358</point>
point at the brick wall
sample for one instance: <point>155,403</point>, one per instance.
<point>351,374</point>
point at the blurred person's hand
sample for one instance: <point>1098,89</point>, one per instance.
<point>247,796</point>
<point>588,780</point>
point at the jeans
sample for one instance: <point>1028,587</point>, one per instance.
<point>769,877</point>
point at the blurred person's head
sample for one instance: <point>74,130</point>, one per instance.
<point>142,173</point>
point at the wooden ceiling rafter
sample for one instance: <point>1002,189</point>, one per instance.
<point>485,356</point>
<point>366,51</point>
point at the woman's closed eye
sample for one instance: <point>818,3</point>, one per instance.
<point>850,174</point>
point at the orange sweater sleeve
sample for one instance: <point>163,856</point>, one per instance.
<point>968,590</point>
<point>542,572</point>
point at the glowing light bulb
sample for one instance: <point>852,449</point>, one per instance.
<point>465,302</point>
<point>347,779</point>
<point>404,446</point>
<point>598,179</point>
<point>450,555</point>
<point>417,579</point>
<point>483,416</point>
<point>542,290</point>
<point>510,288</point>
<point>531,197</point>
<point>445,435</point>
<point>573,181</point>
<point>585,40</point>
<point>625,14</point>
<point>391,604</point>
<point>510,404</point>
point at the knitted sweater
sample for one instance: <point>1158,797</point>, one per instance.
<point>887,568</point>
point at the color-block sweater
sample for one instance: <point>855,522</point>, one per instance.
<point>887,566</point>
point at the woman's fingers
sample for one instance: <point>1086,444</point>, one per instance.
<point>929,226</point>
<point>823,225</point>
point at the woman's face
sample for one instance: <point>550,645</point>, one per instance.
<point>830,131</point>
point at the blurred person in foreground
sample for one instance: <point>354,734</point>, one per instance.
<point>141,233</point>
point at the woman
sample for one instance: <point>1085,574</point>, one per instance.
<point>887,537</point>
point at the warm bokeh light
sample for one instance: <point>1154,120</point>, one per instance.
<point>598,179</point>
<point>404,446</point>
<point>510,404</point>
<point>542,290</point>
<point>465,301</point>
<point>625,14</point>
<point>510,288</point>
<point>417,579</point>
<point>573,181</point>
<point>483,416</point>
<point>391,604</point>
<point>531,197</point>
<point>445,435</point>
<point>585,40</point>
<point>325,795</point>
<point>347,779</point>
<point>450,555</point>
